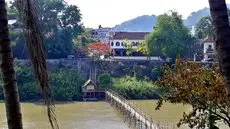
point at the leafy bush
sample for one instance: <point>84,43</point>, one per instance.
<point>27,86</point>
<point>156,73</point>
<point>132,88</point>
<point>66,84</point>
<point>105,80</point>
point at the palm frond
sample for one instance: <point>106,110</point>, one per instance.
<point>35,43</point>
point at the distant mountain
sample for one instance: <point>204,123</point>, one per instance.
<point>140,24</point>
<point>145,23</point>
<point>194,17</point>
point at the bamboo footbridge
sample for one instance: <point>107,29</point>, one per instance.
<point>133,115</point>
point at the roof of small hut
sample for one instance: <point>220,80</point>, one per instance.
<point>89,82</point>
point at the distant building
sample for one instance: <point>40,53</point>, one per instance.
<point>101,34</point>
<point>117,42</point>
<point>209,50</point>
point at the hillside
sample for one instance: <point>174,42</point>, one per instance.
<point>145,23</point>
<point>140,24</point>
<point>194,17</point>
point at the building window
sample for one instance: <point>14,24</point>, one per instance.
<point>209,46</point>
<point>117,43</point>
<point>122,43</point>
<point>137,43</point>
<point>111,43</point>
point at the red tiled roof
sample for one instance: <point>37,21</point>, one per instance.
<point>129,35</point>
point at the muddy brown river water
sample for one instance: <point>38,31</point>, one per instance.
<point>93,115</point>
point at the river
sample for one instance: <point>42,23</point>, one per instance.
<point>93,115</point>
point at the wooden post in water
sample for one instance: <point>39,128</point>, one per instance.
<point>151,123</point>
<point>135,120</point>
<point>146,126</point>
<point>130,117</point>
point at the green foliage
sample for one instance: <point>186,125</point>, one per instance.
<point>129,47</point>
<point>66,84</point>
<point>60,24</point>
<point>60,44</point>
<point>18,44</point>
<point>170,37</point>
<point>205,28</point>
<point>132,88</point>
<point>83,39</point>
<point>71,19</point>
<point>105,81</point>
<point>156,73</point>
<point>202,88</point>
<point>27,85</point>
<point>12,13</point>
<point>141,48</point>
<point>57,14</point>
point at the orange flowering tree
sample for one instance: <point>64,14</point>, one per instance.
<point>202,88</point>
<point>97,49</point>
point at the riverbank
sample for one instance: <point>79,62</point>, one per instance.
<point>67,85</point>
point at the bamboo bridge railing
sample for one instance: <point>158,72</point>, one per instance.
<point>132,114</point>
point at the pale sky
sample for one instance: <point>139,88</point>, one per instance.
<point>111,12</point>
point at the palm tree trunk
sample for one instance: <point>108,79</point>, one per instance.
<point>13,111</point>
<point>219,15</point>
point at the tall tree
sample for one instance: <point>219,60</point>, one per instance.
<point>170,36</point>
<point>97,49</point>
<point>202,88</point>
<point>219,15</point>
<point>61,23</point>
<point>13,112</point>
<point>204,28</point>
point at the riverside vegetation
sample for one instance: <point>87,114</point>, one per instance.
<point>67,83</point>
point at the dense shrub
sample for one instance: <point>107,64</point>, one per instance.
<point>27,86</point>
<point>156,73</point>
<point>132,88</point>
<point>105,80</point>
<point>66,84</point>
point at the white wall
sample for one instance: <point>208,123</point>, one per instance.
<point>206,45</point>
<point>120,41</point>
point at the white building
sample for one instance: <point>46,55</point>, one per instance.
<point>102,34</point>
<point>209,50</point>
<point>118,38</point>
